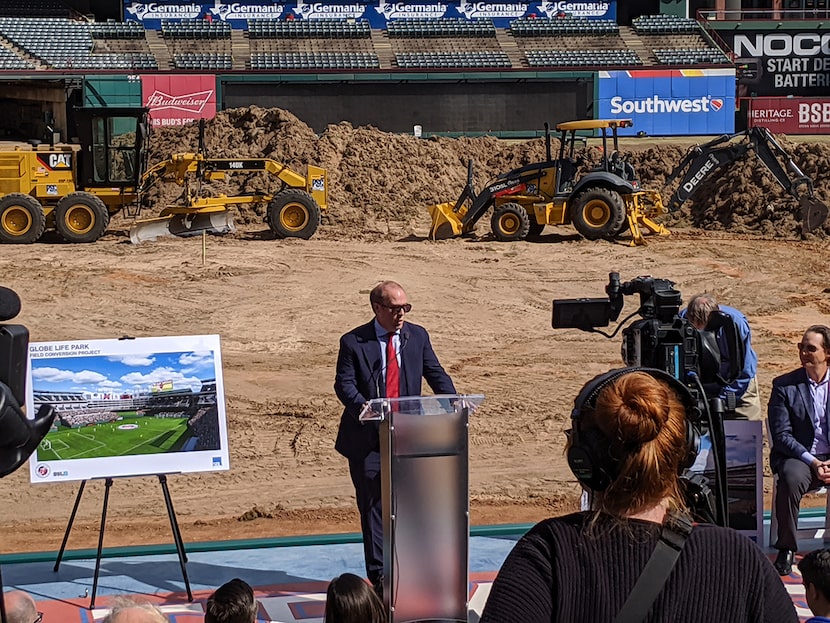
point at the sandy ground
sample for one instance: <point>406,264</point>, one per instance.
<point>280,307</point>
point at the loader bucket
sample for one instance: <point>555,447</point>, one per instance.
<point>182,225</point>
<point>813,213</point>
<point>445,222</point>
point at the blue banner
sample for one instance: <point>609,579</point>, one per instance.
<point>378,13</point>
<point>670,102</point>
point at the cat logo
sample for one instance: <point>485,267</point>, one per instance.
<point>57,161</point>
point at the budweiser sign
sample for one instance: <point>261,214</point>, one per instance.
<point>192,102</point>
<point>178,99</point>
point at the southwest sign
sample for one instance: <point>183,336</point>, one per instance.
<point>670,102</point>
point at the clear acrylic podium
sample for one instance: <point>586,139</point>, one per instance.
<point>425,495</point>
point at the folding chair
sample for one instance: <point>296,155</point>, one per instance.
<point>808,532</point>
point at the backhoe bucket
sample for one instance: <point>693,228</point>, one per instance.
<point>182,225</point>
<point>813,213</point>
<point>445,222</point>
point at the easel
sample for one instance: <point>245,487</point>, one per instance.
<point>177,535</point>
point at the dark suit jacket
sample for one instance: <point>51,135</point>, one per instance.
<point>360,378</point>
<point>790,417</point>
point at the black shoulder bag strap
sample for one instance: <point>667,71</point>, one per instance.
<point>676,529</point>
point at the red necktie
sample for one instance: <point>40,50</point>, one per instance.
<point>393,389</point>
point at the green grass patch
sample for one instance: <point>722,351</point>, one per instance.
<point>152,436</point>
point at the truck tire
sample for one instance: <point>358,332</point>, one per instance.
<point>510,222</point>
<point>293,213</point>
<point>81,217</point>
<point>22,220</point>
<point>598,213</point>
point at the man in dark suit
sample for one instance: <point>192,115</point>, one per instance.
<point>385,358</point>
<point>798,423</point>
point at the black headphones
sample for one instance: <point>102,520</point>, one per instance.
<point>589,455</point>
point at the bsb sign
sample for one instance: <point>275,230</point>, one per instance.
<point>790,115</point>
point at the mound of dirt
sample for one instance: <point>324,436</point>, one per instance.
<point>381,182</point>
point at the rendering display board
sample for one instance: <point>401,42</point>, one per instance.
<point>131,407</point>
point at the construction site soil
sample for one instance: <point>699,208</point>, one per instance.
<point>281,305</point>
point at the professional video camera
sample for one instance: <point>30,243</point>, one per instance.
<point>19,436</point>
<point>704,360</point>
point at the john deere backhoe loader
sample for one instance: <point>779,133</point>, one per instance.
<point>75,188</point>
<point>602,202</point>
<point>606,201</point>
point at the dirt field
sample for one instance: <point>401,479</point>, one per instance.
<point>280,307</point>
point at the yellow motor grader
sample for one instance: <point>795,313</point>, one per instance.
<point>75,188</point>
<point>607,200</point>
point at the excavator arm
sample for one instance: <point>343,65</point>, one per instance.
<point>702,162</point>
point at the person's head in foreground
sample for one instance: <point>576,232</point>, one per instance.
<point>634,431</point>
<point>233,602</point>
<point>350,599</point>
<point>815,575</point>
<point>629,443</point>
<point>129,611</point>
<point>21,608</point>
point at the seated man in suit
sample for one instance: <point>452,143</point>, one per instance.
<point>384,358</point>
<point>798,424</point>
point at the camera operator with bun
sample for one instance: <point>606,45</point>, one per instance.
<point>635,556</point>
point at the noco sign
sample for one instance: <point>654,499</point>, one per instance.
<point>781,62</point>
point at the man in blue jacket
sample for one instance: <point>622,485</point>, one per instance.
<point>384,358</point>
<point>745,387</point>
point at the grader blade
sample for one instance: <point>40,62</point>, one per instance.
<point>445,222</point>
<point>813,213</point>
<point>182,226</point>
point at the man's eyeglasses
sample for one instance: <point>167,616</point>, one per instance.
<point>808,348</point>
<point>39,618</point>
<point>395,309</point>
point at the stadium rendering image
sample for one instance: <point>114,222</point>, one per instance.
<point>147,423</point>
